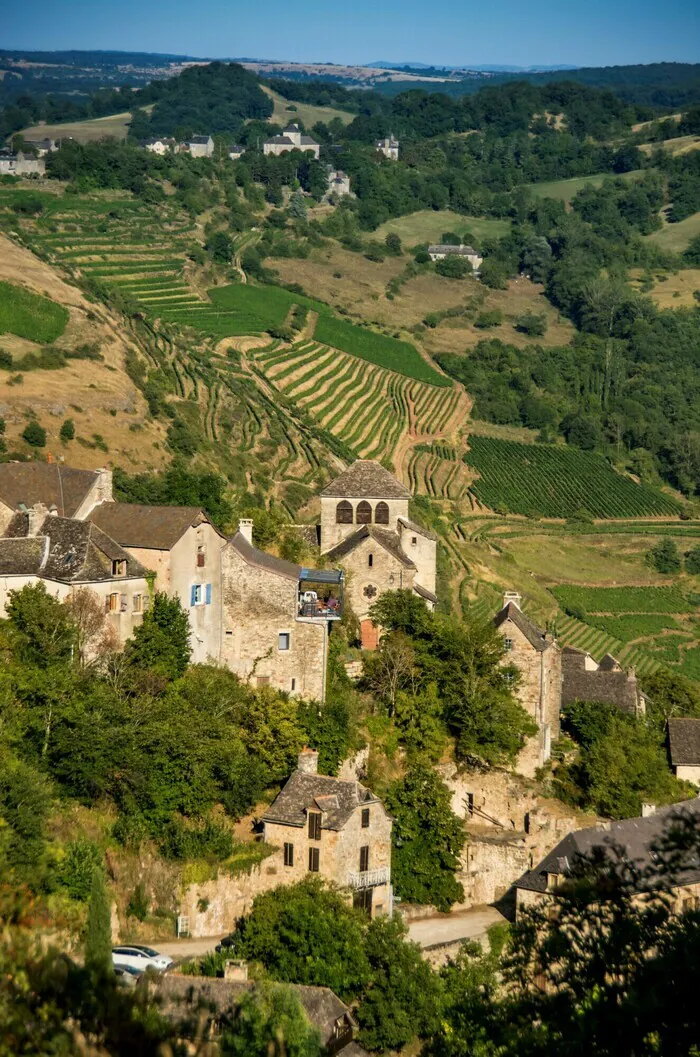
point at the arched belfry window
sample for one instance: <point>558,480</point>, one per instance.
<point>343,513</point>
<point>381,514</point>
<point>364,513</point>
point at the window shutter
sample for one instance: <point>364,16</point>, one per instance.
<point>208,595</point>
<point>107,604</point>
<point>123,603</point>
<point>193,596</point>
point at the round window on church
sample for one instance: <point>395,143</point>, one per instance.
<point>370,591</point>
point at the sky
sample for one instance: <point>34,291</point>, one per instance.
<point>454,32</point>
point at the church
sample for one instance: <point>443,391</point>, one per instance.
<point>365,528</point>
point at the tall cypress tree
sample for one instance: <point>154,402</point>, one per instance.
<point>98,935</point>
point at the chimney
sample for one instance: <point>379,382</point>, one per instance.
<point>236,972</point>
<point>35,518</point>
<point>648,810</point>
<point>53,510</point>
<point>245,527</point>
<point>512,596</point>
<point>308,761</point>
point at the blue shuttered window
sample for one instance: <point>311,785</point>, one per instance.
<point>208,595</point>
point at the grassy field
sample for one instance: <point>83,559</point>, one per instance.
<point>308,114</point>
<point>116,126</point>
<point>386,352</point>
<point>676,290</point>
<point>30,316</point>
<point>428,225</point>
<point>617,600</point>
<point>556,481</point>
<point>679,145</point>
<point>565,190</point>
<point>677,237</point>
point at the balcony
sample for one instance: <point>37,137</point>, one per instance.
<point>320,594</point>
<point>370,878</point>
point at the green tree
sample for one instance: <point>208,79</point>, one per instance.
<point>306,934</point>
<point>24,806</point>
<point>453,266</point>
<point>67,431</point>
<point>664,557</point>
<point>534,324</point>
<point>393,243</point>
<point>427,839</point>
<point>220,247</point>
<point>34,434</point>
<point>297,206</point>
<point>42,631</point>
<point>76,870</point>
<point>270,1022</point>
<point>692,561</point>
<point>418,718</point>
<point>98,931</point>
<point>161,643</point>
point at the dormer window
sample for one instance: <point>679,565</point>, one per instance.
<point>119,567</point>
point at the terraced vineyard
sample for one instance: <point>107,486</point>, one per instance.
<point>438,470</point>
<point>546,480</point>
<point>368,408</point>
<point>572,632</point>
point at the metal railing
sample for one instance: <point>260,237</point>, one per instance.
<point>370,878</point>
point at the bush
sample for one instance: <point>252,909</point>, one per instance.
<point>76,870</point>
<point>664,557</point>
<point>492,318</point>
<point>35,435</point>
<point>454,267</point>
<point>692,561</point>
<point>207,840</point>
<point>67,431</point>
<point>534,324</point>
<point>138,905</point>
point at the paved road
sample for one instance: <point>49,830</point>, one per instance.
<point>447,928</point>
<point>182,950</point>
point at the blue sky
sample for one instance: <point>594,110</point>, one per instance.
<point>478,32</point>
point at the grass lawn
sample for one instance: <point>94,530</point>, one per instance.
<point>282,115</point>
<point>565,190</point>
<point>29,315</point>
<point>427,225</point>
<point>116,126</point>
<point>677,237</point>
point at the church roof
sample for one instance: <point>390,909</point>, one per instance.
<point>390,541</point>
<point>532,633</point>
<point>366,478</point>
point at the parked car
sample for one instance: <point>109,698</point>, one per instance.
<point>139,957</point>
<point>224,944</point>
<point>127,974</point>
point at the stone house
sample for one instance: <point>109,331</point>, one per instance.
<point>42,146</point>
<point>338,183</point>
<point>637,837</point>
<point>198,146</point>
<point>292,138</point>
<point>161,145</point>
<point>20,164</point>
<point>439,251</point>
<point>684,748</point>
<point>583,679</point>
<point>537,657</point>
<point>276,617</point>
<point>365,527</point>
<point>67,492</point>
<point>65,554</point>
<point>236,151</point>
<point>389,147</point>
<point>183,549</point>
<point>337,829</point>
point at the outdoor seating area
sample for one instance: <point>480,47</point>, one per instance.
<point>321,594</point>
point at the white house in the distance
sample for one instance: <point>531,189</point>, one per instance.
<point>338,182</point>
<point>198,146</point>
<point>236,151</point>
<point>160,145</point>
<point>292,138</point>
<point>389,147</point>
<point>442,250</point>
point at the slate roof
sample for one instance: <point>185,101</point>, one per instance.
<point>252,556</point>
<point>532,633</point>
<point>635,835</point>
<point>282,140</point>
<point>151,527</point>
<point>684,742</point>
<point>199,139</point>
<point>321,1005</point>
<point>461,251</point>
<point>47,483</point>
<point>63,549</point>
<point>390,541</point>
<point>609,684</point>
<point>425,593</point>
<point>414,527</point>
<point>335,798</point>
<point>366,478</point>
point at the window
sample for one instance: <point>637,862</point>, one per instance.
<point>507,645</point>
<point>288,854</point>
<point>364,513</point>
<point>123,603</point>
<point>364,858</point>
<point>365,818</point>
<point>146,603</point>
<point>343,513</point>
<point>314,856</point>
<point>294,685</point>
<point>370,560</point>
<point>470,804</point>
<point>414,541</point>
<point>136,602</point>
<point>362,900</point>
<point>114,602</point>
<point>284,640</point>
<point>314,825</point>
<point>381,514</point>
<point>197,595</point>
<point>119,567</point>
<point>263,680</point>
<point>207,594</point>
<point>201,557</point>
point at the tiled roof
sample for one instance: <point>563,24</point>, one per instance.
<point>532,633</point>
<point>463,251</point>
<point>635,835</point>
<point>309,141</point>
<point>414,527</point>
<point>199,139</point>
<point>425,593</point>
<point>151,527</point>
<point>335,798</point>
<point>65,550</point>
<point>366,478</point>
<point>22,556</point>
<point>285,140</point>
<point>252,556</point>
<point>609,683</point>
<point>47,483</point>
<point>390,541</point>
<point>684,742</point>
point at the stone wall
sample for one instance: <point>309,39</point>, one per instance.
<point>332,533</point>
<point>423,553</point>
<point>258,606</point>
<point>367,582</point>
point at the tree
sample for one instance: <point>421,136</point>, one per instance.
<point>454,266</point>
<point>35,435</point>
<point>98,931</point>
<point>692,561</point>
<point>297,206</point>
<point>427,839</point>
<point>391,668</point>
<point>67,431</point>
<point>161,644</point>
<point>24,806</point>
<point>306,934</point>
<point>42,628</point>
<point>270,1022</point>
<point>418,719</point>
<point>87,614</point>
<point>534,324</point>
<point>393,243</point>
<point>664,557</point>
<point>220,247</point>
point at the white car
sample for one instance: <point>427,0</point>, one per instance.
<point>137,957</point>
